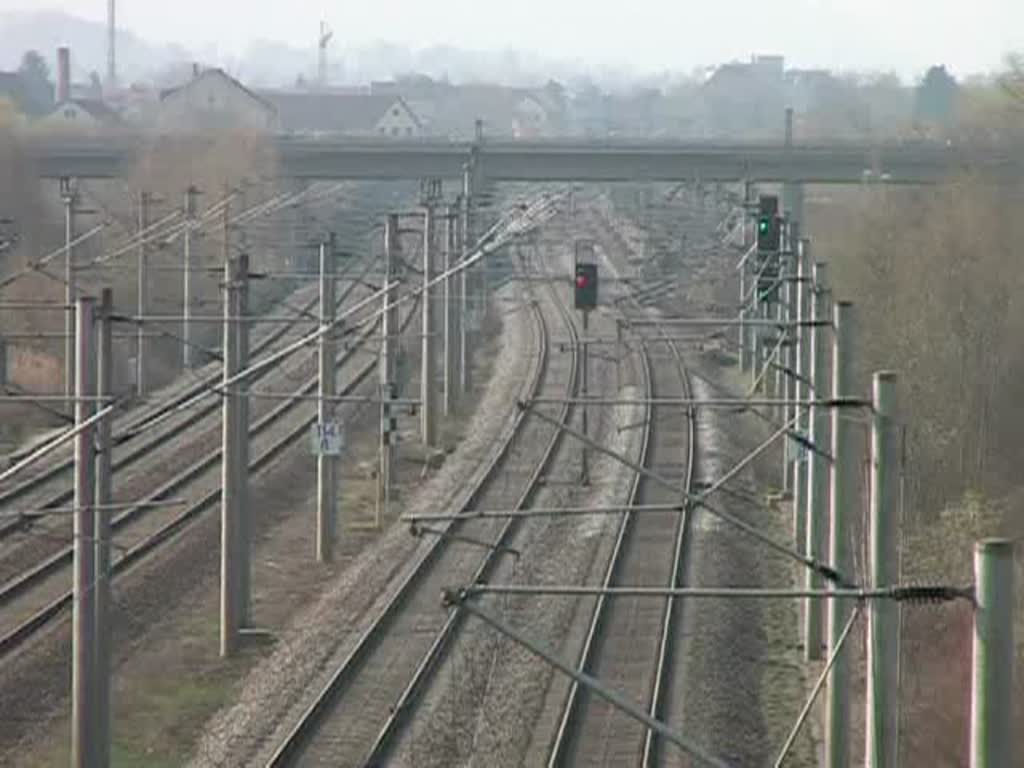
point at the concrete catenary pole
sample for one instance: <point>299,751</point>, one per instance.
<point>883,626</point>
<point>803,273</point>
<point>758,310</point>
<point>83,671</point>
<point>792,292</point>
<point>187,346</point>
<point>230,599</point>
<point>786,359</point>
<point>458,302</point>
<point>242,441</point>
<point>584,384</point>
<point>744,286</point>
<point>326,466</point>
<point>70,198</point>
<point>817,468</point>
<point>781,385</point>
<point>104,495</point>
<point>842,509</point>
<point>428,378</point>
<point>141,385</point>
<point>993,656</point>
<point>744,348</point>
<point>465,241</point>
<point>387,367</point>
<point>450,315</point>
<point>793,189</point>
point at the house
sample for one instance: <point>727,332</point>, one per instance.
<point>348,113</point>
<point>746,99</point>
<point>81,115</point>
<point>505,112</point>
<point>531,117</point>
<point>213,100</point>
<point>826,106</point>
<point>453,110</point>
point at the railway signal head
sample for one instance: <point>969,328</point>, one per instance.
<point>585,288</point>
<point>769,224</point>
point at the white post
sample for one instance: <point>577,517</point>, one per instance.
<point>83,611</point>
<point>326,466</point>
<point>70,289</point>
<point>242,442</point>
<point>842,508</point>
<point>465,357</point>
<point>141,385</point>
<point>883,627</point>
<point>993,655</point>
<point>230,604</point>
<point>801,393</point>
<point>450,316</point>
<point>187,354</point>
<point>428,382</point>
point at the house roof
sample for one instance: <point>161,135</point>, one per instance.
<point>456,109</point>
<point>93,107</point>
<point>327,111</point>
<point>218,74</point>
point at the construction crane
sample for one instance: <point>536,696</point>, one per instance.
<point>325,37</point>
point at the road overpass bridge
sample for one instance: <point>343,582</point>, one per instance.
<point>566,160</point>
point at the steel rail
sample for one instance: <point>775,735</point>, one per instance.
<point>138,423</point>
<point>24,631</point>
<point>305,730</point>
<point>570,710</point>
<point>570,724</point>
<point>136,427</point>
<point>412,695</point>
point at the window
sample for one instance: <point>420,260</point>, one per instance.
<point>394,130</point>
<point>394,112</point>
<point>408,131</point>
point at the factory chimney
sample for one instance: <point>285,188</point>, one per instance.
<point>63,74</point>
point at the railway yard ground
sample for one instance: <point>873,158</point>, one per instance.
<point>480,696</point>
<point>168,677</point>
<point>402,650</point>
<point>512,387</point>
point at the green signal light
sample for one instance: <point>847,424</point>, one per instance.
<point>763,225</point>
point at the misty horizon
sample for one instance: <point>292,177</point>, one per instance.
<point>277,44</point>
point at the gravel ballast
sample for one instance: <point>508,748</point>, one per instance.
<point>278,689</point>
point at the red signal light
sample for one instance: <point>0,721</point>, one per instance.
<point>581,281</point>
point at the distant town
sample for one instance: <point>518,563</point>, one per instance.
<point>737,100</point>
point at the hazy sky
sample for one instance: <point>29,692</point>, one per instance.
<point>645,35</point>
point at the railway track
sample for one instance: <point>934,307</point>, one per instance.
<point>383,674</point>
<point>133,438</point>
<point>629,643</point>
<point>39,595</point>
